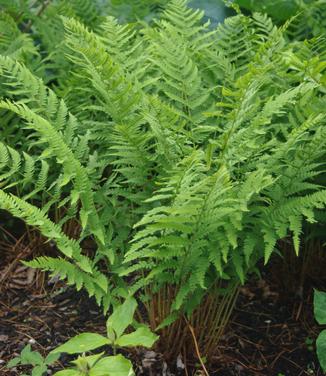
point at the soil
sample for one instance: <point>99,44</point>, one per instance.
<point>270,333</point>
<point>269,336</point>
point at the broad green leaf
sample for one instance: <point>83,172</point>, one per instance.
<point>141,337</point>
<point>74,196</point>
<point>122,316</point>
<point>13,362</point>
<point>112,366</point>
<point>51,358</point>
<point>31,357</point>
<point>26,350</point>
<point>82,343</point>
<point>321,349</point>
<point>81,363</point>
<point>90,360</point>
<point>68,372</point>
<point>39,370</point>
<point>99,234</point>
<point>238,265</point>
<point>320,307</point>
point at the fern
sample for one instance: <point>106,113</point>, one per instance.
<point>95,283</point>
<point>72,169</point>
<point>307,17</point>
<point>183,153</point>
<point>124,46</point>
<point>34,216</point>
<point>16,44</point>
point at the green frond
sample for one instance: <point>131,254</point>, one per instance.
<point>86,10</point>
<point>72,169</point>
<point>184,20</point>
<point>20,82</point>
<point>310,20</point>
<point>289,214</point>
<point>16,44</point>
<point>23,170</point>
<point>179,78</point>
<point>11,159</point>
<point>116,95</point>
<point>124,47</point>
<point>130,153</point>
<point>95,283</point>
<point>35,217</point>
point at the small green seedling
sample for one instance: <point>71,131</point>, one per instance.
<point>100,365</point>
<point>320,316</point>
<point>97,365</point>
<point>35,359</point>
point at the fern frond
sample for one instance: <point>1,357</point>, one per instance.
<point>180,80</point>
<point>185,21</point>
<point>289,215</point>
<point>96,284</point>
<point>72,169</point>
<point>35,217</point>
<point>14,43</point>
<point>116,95</point>
<point>24,170</point>
<point>130,151</point>
<point>124,47</point>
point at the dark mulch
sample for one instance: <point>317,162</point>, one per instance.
<point>45,321</point>
<point>265,336</point>
<point>269,336</point>
<point>272,331</point>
